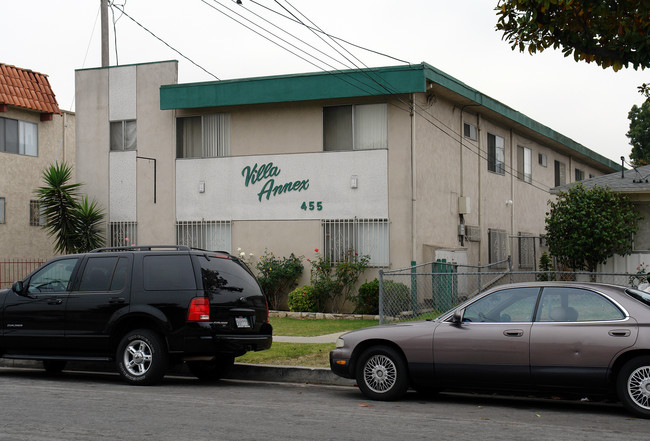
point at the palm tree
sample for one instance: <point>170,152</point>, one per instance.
<point>74,223</point>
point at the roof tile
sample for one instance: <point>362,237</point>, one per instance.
<point>27,89</point>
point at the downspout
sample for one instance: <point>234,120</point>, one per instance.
<point>512,193</point>
<point>480,196</point>
<point>413,185</point>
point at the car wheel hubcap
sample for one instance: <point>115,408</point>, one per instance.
<point>380,373</point>
<point>137,357</point>
<point>638,387</point>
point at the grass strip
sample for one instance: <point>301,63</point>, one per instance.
<point>291,354</point>
<point>294,327</point>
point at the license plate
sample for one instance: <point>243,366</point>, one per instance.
<point>242,322</point>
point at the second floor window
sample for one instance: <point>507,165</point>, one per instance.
<point>560,173</point>
<point>19,137</point>
<point>357,127</point>
<point>206,136</point>
<point>124,135</point>
<point>496,154</point>
<point>524,164</point>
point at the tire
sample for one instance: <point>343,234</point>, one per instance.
<point>54,367</point>
<point>142,357</point>
<point>212,370</point>
<point>382,374</point>
<point>633,386</point>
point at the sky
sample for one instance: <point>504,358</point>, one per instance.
<point>581,101</point>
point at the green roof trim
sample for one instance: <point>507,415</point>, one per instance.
<point>348,84</point>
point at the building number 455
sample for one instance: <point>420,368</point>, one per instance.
<point>311,206</point>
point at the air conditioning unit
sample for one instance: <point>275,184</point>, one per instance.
<point>472,233</point>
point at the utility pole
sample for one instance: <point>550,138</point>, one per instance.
<point>104,14</point>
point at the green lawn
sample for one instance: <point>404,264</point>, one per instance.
<point>302,354</point>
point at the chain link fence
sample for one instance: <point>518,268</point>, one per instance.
<point>425,291</point>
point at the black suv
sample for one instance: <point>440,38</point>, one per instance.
<point>145,307</point>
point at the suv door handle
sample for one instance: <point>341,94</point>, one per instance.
<point>513,332</point>
<point>116,300</point>
<point>54,302</point>
<point>619,332</point>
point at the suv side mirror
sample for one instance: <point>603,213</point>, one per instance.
<point>18,288</point>
<point>457,318</point>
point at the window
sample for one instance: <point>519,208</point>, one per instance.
<point>36,216</point>
<point>124,135</point>
<point>167,273</point>
<point>524,164</point>
<point>225,275</point>
<point>470,131</point>
<point>19,137</point>
<point>207,235</point>
<point>560,173</point>
<point>591,175</point>
<point>358,127</point>
<point>123,234</point>
<point>579,174</point>
<point>508,305</point>
<point>2,210</point>
<point>526,251</point>
<point>541,158</point>
<point>55,277</point>
<point>99,273</point>
<point>206,136</point>
<point>361,236</point>
<point>498,247</point>
<point>496,154</point>
<point>575,305</point>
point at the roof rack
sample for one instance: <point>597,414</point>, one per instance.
<point>142,248</point>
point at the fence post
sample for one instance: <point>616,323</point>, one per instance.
<point>414,289</point>
<point>510,268</point>
<point>381,296</point>
<point>480,288</point>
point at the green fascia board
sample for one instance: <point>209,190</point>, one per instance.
<point>349,84</point>
<point>299,87</point>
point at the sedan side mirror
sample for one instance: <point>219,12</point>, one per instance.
<point>18,288</point>
<point>457,318</point>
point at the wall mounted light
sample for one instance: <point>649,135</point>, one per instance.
<point>509,203</point>
<point>354,181</point>
<point>201,187</point>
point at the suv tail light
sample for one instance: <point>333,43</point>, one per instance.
<point>199,310</point>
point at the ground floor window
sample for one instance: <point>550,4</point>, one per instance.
<point>498,247</point>
<point>212,235</point>
<point>36,216</point>
<point>526,251</point>
<point>123,234</point>
<point>364,236</point>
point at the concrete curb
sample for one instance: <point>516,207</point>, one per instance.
<point>241,371</point>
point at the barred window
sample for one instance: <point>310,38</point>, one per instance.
<point>36,215</point>
<point>207,235</point>
<point>364,236</point>
<point>123,234</point>
<point>498,246</point>
<point>206,136</point>
<point>526,251</point>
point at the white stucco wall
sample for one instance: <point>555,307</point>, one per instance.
<point>321,177</point>
<point>122,182</point>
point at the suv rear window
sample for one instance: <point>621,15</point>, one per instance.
<point>171,272</point>
<point>218,274</point>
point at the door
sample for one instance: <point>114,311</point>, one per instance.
<point>34,321</point>
<point>491,345</point>
<point>101,295</point>
<point>577,333</point>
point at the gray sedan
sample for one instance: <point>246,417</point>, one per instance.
<point>557,336</point>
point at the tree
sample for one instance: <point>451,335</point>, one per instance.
<point>585,227</point>
<point>71,219</point>
<point>639,133</point>
<point>610,33</point>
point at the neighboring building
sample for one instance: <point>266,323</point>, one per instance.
<point>34,133</point>
<point>635,184</point>
<point>401,163</point>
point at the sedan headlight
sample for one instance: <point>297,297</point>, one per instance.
<point>339,342</point>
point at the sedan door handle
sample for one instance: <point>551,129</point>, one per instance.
<point>513,332</point>
<point>116,300</point>
<point>54,302</point>
<point>619,332</point>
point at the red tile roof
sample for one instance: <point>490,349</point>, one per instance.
<point>27,89</point>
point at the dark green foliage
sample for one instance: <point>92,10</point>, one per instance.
<point>277,276</point>
<point>396,297</point>
<point>368,298</point>
<point>585,227</point>
<point>302,299</point>
<point>73,221</point>
<point>610,34</point>
<point>546,264</point>
<point>639,133</point>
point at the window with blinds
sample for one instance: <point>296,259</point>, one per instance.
<point>206,136</point>
<point>355,127</point>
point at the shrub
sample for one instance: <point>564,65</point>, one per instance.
<point>397,297</point>
<point>277,276</point>
<point>302,299</point>
<point>368,298</point>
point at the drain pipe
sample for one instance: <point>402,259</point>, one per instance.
<point>413,185</point>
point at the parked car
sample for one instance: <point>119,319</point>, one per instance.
<point>569,337</point>
<point>143,307</point>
